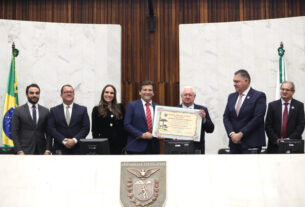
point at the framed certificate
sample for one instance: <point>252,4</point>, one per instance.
<point>177,123</point>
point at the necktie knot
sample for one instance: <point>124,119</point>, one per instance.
<point>34,106</point>
<point>286,103</point>
<point>147,104</point>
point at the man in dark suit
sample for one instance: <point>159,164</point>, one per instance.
<point>29,125</point>
<point>285,118</point>
<point>188,97</point>
<point>138,123</point>
<point>68,123</point>
<point>244,116</point>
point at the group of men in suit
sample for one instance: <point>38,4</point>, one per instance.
<point>244,117</point>
<point>138,121</point>
<point>34,127</point>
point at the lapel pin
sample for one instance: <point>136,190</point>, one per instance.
<point>292,107</point>
<point>248,97</point>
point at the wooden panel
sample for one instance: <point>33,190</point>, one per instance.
<point>149,56</point>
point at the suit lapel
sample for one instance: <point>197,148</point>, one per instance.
<point>27,113</point>
<point>246,100</point>
<point>140,106</point>
<point>291,109</point>
<point>41,115</point>
<point>233,103</point>
<point>61,113</point>
<point>278,109</point>
<point>74,109</point>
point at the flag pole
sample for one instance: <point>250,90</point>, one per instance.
<point>282,73</point>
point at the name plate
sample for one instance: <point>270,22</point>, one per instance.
<point>177,123</point>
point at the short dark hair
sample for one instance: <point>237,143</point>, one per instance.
<point>292,85</point>
<point>31,85</point>
<point>62,88</point>
<point>146,83</point>
<point>243,73</point>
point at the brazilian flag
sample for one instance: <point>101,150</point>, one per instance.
<point>11,102</point>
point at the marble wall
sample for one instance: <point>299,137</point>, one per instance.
<point>87,56</point>
<point>211,53</point>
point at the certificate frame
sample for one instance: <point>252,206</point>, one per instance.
<point>182,124</point>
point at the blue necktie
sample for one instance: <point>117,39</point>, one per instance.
<point>34,114</point>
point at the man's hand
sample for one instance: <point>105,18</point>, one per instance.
<point>147,135</point>
<point>202,114</point>
<point>47,153</point>
<point>236,137</point>
<point>20,153</point>
<point>280,139</point>
<point>69,143</point>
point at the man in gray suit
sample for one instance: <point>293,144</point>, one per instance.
<point>29,125</point>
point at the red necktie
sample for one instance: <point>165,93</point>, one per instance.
<point>284,122</point>
<point>148,118</point>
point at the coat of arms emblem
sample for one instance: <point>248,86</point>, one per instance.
<point>143,183</point>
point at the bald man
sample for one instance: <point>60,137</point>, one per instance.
<point>188,96</point>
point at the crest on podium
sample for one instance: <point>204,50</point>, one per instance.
<point>143,184</point>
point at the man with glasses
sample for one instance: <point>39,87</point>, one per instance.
<point>68,123</point>
<point>29,124</point>
<point>285,118</point>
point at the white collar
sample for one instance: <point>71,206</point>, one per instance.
<point>65,106</point>
<point>282,100</point>
<point>245,93</point>
<point>144,102</point>
<point>30,105</point>
<point>188,107</point>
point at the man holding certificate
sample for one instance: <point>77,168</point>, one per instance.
<point>138,123</point>
<point>188,96</point>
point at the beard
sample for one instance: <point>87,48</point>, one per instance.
<point>33,100</point>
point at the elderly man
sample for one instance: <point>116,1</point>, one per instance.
<point>285,118</point>
<point>188,96</point>
<point>244,116</point>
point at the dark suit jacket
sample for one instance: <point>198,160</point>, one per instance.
<point>273,124</point>
<point>26,135</point>
<point>58,128</point>
<point>109,127</point>
<point>250,120</point>
<point>135,125</point>
<point>208,127</point>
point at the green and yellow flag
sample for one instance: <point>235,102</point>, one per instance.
<point>11,102</point>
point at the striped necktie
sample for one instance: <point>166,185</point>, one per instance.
<point>148,117</point>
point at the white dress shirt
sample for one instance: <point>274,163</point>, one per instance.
<point>30,105</point>
<point>245,93</point>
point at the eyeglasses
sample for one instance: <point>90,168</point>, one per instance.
<point>287,90</point>
<point>66,92</point>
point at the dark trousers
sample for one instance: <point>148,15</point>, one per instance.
<point>238,149</point>
<point>153,147</point>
